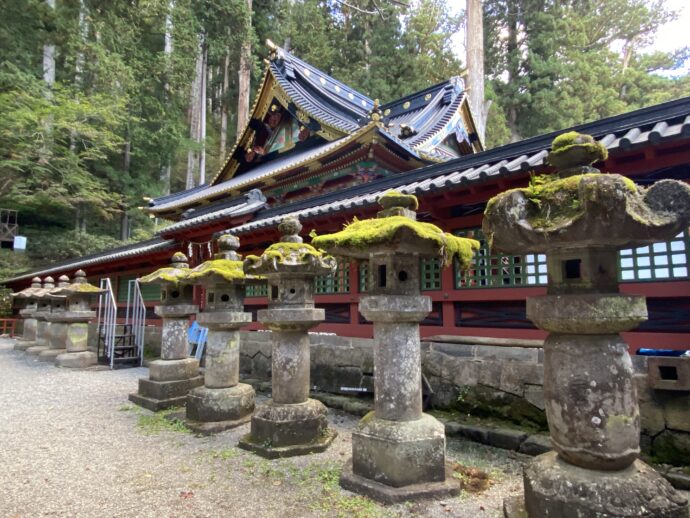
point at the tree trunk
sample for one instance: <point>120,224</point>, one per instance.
<point>168,48</point>
<point>124,225</point>
<point>49,55</point>
<point>474,41</point>
<point>628,48</point>
<point>202,118</point>
<point>194,116</point>
<point>244,78</point>
<point>49,79</point>
<point>513,66</point>
<point>224,106</point>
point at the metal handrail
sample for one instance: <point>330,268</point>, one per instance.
<point>107,318</point>
<point>136,316</point>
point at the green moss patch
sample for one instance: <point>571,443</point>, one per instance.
<point>555,201</point>
<point>396,199</point>
<point>360,235</point>
<point>286,253</point>
<point>173,275</point>
<point>225,268</point>
<point>576,148</point>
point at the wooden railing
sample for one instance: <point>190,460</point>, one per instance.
<point>7,326</point>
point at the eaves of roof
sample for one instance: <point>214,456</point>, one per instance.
<point>648,126</point>
<point>251,202</point>
<point>134,250</point>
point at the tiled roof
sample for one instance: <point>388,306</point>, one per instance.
<point>134,250</point>
<point>329,101</point>
<point>648,126</point>
<point>251,202</point>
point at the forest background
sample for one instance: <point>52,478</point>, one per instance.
<point>103,103</point>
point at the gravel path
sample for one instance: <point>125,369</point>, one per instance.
<point>72,445</point>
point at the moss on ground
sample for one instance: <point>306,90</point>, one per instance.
<point>361,235</point>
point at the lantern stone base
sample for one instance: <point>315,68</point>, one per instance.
<point>50,355</point>
<point>288,430</point>
<point>172,370</point>
<point>159,395</point>
<point>385,494</point>
<point>36,350</point>
<point>213,410</point>
<point>399,453</point>
<point>554,488</point>
<point>78,360</point>
<point>23,345</point>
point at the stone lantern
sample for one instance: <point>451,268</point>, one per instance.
<point>175,374</point>
<point>58,329</point>
<point>289,423</point>
<point>42,324</point>
<point>27,296</point>
<point>74,319</point>
<point>223,402</point>
<point>398,452</point>
<point>580,219</point>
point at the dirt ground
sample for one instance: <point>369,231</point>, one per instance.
<point>71,444</point>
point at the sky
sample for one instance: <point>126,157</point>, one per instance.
<point>670,37</point>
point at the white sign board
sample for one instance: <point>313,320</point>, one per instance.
<point>20,243</point>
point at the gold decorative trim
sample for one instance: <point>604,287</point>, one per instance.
<point>387,112</point>
<point>427,97</point>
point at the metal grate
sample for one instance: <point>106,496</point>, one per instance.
<point>336,282</point>
<point>257,290</point>
<point>149,292</point>
<point>363,277</point>
<point>660,261</point>
<point>498,270</point>
<point>430,274</point>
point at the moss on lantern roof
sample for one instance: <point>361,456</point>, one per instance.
<point>166,275</point>
<point>396,199</point>
<point>370,232</point>
<point>555,201</point>
<point>81,287</point>
<point>283,252</point>
<point>573,148</point>
<point>226,268</point>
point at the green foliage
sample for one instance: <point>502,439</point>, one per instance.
<point>13,263</point>
<point>44,246</point>
<point>551,64</point>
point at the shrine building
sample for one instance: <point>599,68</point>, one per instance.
<point>319,150</point>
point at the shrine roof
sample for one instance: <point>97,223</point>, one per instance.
<point>128,251</point>
<point>646,127</point>
<point>331,112</point>
<point>327,99</point>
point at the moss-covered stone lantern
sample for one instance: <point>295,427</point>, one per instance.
<point>289,423</point>
<point>42,324</point>
<point>580,218</point>
<point>27,298</point>
<point>223,402</point>
<point>57,332</point>
<point>175,374</point>
<point>398,452</point>
<point>73,322</point>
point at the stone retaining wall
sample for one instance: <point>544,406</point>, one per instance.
<point>481,380</point>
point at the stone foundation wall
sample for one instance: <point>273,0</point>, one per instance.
<point>486,381</point>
